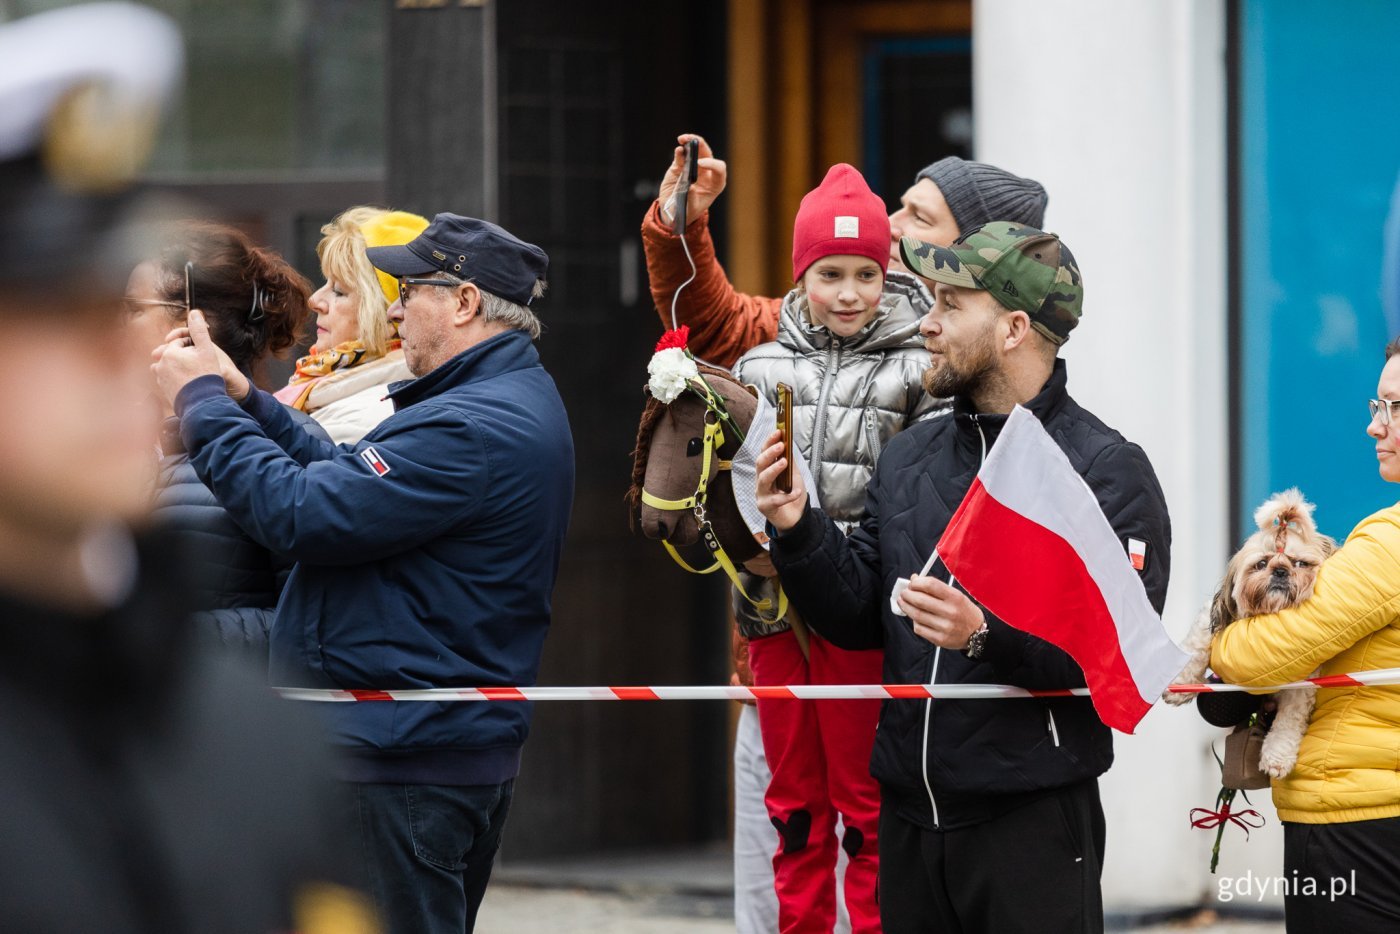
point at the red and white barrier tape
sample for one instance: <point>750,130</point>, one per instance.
<point>1382,676</point>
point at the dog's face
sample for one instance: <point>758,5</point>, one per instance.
<point>1265,578</point>
<point>1274,570</point>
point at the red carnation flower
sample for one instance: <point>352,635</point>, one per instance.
<point>676,338</point>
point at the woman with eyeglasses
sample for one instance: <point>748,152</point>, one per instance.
<point>342,382</point>
<point>1340,806</point>
<point>256,305</point>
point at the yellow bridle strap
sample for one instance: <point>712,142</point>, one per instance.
<point>670,505</point>
<point>712,442</point>
<point>722,561</point>
<point>764,606</point>
<point>676,556</point>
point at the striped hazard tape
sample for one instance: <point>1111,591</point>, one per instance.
<point>1379,677</point>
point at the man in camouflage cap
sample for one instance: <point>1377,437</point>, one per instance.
<point>990,818</point>
<point>1023,268</point>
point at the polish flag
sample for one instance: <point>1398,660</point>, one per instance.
<point>1031,544</point>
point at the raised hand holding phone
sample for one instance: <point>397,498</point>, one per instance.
<point>703,186</point>
<point>189,353</point>
<point>689,172</point>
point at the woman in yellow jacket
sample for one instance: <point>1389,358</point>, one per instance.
<point>1341,803</point>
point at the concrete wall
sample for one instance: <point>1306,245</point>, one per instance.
<point>1119,110</point>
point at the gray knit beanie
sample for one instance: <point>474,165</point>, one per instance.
<point>977,193</point>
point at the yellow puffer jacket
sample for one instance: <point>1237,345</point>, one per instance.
<point>1349,764</point>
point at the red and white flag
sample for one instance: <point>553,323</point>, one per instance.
<point>1031,544</point>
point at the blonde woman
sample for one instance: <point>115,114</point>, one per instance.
<point>342,382</point>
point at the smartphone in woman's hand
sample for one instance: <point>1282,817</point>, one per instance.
<point>784,482</point>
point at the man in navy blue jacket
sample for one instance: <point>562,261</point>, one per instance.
<point>426,553</point>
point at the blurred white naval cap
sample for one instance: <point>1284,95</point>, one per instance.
<point>85,85</point>
<point>82,90</point>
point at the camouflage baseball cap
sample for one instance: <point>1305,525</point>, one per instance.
<point>1025,270</point>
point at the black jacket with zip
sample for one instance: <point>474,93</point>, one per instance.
<point>982,757</point>
<point>235,581</point>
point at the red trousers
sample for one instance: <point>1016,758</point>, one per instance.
<point>819,752</point>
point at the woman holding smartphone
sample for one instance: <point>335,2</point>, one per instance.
<point>256,304</point>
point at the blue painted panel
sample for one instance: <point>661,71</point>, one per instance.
<point>1320,283</point>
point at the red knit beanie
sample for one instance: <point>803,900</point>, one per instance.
<point>840,217</point>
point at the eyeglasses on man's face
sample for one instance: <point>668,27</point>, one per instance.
<point>1383,410</point>
<point>404,283</point>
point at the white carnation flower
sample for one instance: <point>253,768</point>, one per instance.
<point>671,372</point>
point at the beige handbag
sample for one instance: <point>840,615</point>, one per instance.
<point>1240,767</point>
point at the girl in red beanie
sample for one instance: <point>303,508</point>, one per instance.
<point>849,345</point>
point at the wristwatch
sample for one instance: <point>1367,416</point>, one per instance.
<point>976,643</point>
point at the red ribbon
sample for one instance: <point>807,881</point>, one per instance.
<point>1211,819</point>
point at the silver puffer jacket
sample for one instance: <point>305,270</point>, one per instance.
<point>850,395</point>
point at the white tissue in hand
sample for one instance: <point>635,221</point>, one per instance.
<point>900,585</point>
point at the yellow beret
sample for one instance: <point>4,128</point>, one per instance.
<point>392,228</point>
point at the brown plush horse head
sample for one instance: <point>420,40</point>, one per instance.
<point>668,459</point>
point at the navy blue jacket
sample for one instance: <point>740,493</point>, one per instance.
<point>426,553</point>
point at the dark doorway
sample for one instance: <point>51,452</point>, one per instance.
<point>918,107</point>
<point>589,108</point>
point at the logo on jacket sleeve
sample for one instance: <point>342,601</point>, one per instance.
<point>1137,553</point>
<point>376,463</point>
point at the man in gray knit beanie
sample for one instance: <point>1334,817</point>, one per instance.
<point>947,199</point>
<point>953,196</point>
<point>978,193</point>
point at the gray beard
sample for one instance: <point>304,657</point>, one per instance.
<point>424,357</point>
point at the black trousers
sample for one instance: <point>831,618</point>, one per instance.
<point>428,851</point>
<point>1355,874</point>
<point>1034,869</point>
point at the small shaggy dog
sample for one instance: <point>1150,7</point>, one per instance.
<point>1274,569</point>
